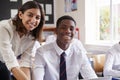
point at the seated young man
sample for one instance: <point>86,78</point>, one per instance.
<point>63,58</point>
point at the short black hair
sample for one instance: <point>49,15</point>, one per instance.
<point>63,18</point>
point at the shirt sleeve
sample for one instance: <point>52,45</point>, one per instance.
<point>38,69</point>
<point>6,51</point>
<point>86,69</point>
<point>108,71</point>
<point>28,54</point>
<point>35,47</point>
<point>79,45</point>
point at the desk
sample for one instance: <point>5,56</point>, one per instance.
<point>103,78</point>
<point>100,78</point>
<point>115,78</point>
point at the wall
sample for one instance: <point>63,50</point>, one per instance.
<point>78,15</point>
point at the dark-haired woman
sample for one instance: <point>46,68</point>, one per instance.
<point>18,38</point>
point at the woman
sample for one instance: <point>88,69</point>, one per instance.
<point>18,37</point>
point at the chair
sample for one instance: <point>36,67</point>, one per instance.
<point>98,63</point>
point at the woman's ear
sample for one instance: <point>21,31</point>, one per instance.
<point>20,14</point>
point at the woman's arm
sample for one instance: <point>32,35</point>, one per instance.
<point>27,71</point>
<point>20,73</point>
<point>39,66</point>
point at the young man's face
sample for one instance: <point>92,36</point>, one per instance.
<point>65,31</point>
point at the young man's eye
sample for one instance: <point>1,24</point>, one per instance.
<point>30,15</point>
<point>63,28</point>
<point>72,29</point>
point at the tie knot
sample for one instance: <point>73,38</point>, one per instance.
<point>63,54</point>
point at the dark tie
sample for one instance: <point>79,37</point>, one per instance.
<point>63,75</point>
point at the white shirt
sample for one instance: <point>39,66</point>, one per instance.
<point>50,38</point>
<point>47,61</point>
<point>112,63</point>
<point>11,46</point>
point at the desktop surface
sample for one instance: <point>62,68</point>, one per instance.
<point>103,78</point>
<point>115,78</point>
<point>99,78</point>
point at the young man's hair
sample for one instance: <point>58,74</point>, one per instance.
<point>63,18</point>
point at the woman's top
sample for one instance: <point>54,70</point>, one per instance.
<point>15,50</point>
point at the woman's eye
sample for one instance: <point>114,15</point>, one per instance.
<point>37,17</point>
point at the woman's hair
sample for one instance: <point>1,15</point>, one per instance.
<point>36,33</point>
<point>63,18</point>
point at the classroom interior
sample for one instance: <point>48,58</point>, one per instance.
<point>83,14</point>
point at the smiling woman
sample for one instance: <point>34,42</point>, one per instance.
<point>18,44</point>
<point>30,18</point>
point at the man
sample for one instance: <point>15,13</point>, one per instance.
<point>112,63</point>
<point>48,59</point>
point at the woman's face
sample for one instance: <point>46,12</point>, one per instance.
<point>30,18</point>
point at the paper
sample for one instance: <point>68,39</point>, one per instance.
<point>24,1</point>
<point>13,12</point>
<point>13,0</point>
<point>46,18</point>
<point>48,9</point>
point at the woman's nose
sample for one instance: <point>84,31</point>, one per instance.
<point>33,19</point>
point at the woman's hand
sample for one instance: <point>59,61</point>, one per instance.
<point>20,73</point>
<point>27,71</point>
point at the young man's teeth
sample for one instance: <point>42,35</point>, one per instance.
<point>67,36</point>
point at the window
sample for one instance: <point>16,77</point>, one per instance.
<point>102,21</point>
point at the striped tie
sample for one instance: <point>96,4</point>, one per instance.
<point>63,75</point>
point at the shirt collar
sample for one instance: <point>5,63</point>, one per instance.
<point>59,50</point>
<point>117,46</point>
